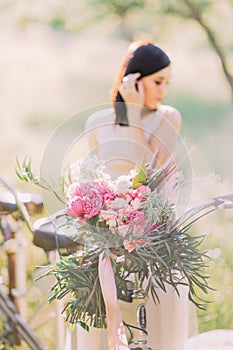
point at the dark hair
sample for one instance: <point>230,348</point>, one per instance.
<point>143,57</point>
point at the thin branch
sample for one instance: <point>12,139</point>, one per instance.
<point>196,14</point>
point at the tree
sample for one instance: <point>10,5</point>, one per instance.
<point>196,10</point>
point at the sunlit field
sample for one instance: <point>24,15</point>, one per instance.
<point>47,76</point>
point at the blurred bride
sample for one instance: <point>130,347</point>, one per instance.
<point>140,127</point>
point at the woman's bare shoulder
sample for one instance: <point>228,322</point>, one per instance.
<point>172,115</point>
<point>100,118</point>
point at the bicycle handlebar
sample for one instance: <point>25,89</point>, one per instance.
<point>12,200</point>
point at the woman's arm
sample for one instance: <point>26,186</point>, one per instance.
<point>132,92</point>
<point>166,136</point>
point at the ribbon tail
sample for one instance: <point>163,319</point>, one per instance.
<point>116,332</point>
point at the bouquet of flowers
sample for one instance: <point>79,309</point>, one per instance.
<point>125,227</point>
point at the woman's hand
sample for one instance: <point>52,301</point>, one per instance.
<point>132,90</point>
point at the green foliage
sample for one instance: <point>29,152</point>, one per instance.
<point>217,315</point>
<point>81,282</point>
<point>141,176</point>
<point>186,8</point>
<point>119,7</point>
<point>58,22</point>
<point>24,173</point>
<point>167,255</point>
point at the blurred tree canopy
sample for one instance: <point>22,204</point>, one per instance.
<point>214,18</point>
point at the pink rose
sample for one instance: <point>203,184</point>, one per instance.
<point>137,217</point>
<point>132,245</point>
<point>109,196</point>
<point>142,192</point>
<point>123,230</point>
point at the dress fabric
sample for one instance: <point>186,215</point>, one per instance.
<point>167,322</point>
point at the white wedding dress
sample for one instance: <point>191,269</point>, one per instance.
<point>167,323</point>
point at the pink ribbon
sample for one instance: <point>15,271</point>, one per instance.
<point>116,333</point>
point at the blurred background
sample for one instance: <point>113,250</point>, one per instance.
<point>60,57</point>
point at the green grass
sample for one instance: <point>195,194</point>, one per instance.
<point>201,116</point>
<point>218,243</point>
<point>207,125</point>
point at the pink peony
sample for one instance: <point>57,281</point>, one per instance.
<point>74,191</point>
<point>87,198</point>
<point>103,188</point>
<point>74,208</point>
<point>86,187</point>
<point>92,203</point>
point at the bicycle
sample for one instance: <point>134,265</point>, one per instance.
<point>14,209</point>
<point>17,208</point>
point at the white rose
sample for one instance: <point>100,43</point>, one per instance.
<point>123,184</point>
